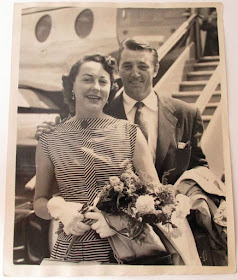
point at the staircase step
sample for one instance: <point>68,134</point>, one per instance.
<point>206,120</point>
<point>194,86</point>
<point>216,97</point>
<point>192,96</point>
<point>187,96</point>
<point>210,109</point>
<point>205,66</point>
<point>209,58</point>
<point>199,75</point>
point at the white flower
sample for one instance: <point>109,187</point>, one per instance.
<point>183,205</point>
<point>114,180</point>
<point>145,204</point>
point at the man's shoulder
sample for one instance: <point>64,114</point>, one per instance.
<point>179,105</point>
<point>115,108</point>
<point>117,100</point>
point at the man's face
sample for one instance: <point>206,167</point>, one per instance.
<point>137,70</point>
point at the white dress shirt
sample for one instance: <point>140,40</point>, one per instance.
<point>150,112</point>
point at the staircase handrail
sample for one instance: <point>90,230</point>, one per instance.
<point>176,36</point>
<point>209,89</point>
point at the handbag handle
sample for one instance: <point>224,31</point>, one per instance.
<point>119,232</point>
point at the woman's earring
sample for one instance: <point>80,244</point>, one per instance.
<point>73,95</point>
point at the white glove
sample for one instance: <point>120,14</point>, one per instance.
<point>100,225</point>
<point>67,213</point>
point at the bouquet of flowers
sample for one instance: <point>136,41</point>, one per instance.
<point>146,216</point>
<point>139,202</point>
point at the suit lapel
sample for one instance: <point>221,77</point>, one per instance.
<point>167,127</point>
<point>116,108</point>
<point>166,124</point>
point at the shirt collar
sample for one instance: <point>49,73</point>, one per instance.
<point>150,101</point>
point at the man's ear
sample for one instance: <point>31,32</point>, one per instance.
<point>156,69</point>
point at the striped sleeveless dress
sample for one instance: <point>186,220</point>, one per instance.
<point>85,153</point>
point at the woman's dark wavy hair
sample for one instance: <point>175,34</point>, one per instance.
<point>110,66</point>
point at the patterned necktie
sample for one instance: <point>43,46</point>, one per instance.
<point>140,120</point>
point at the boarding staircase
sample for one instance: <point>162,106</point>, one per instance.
<point>196,81</point>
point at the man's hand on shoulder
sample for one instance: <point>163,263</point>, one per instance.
<point>46,127</point>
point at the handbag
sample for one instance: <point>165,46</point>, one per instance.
<point>150,251</point>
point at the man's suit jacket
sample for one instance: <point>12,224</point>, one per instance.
<point>179,124</point>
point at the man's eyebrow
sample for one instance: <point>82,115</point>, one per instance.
<point>142,62</point>
<point>129,63</point>
<point>126,62</point>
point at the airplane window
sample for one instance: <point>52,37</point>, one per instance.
<point>43,28</point>
<point>84,23</point>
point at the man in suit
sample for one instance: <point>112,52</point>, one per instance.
<point>174,128</point>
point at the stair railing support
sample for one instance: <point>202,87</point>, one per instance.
<point>176,36</point>
<point>209,89</point>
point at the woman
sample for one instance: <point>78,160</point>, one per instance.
<point>81,154</point>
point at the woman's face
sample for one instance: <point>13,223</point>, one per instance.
<point>91,87</point>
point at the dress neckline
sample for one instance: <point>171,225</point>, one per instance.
<point>85,123</point>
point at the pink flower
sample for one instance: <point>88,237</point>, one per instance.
<point>119,187</point>
<point>168,209</point>
<point>114,180</point>
<point>129,174</point>
<point>107,187</point>
<point>132,187</point>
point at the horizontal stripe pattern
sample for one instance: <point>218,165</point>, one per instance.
<point>92,250</point>
<point>85,153</point>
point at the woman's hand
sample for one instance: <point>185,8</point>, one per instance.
<point>100,225</point>
<point>68,214</point>
<point>73,222</point>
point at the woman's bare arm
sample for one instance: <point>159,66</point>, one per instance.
<point>44,182</point>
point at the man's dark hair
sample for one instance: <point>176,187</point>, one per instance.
<point>135,45</point>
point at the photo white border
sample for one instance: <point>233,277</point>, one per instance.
<point>12,139</point>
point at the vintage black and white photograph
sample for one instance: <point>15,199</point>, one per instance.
<point>121,154</point>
